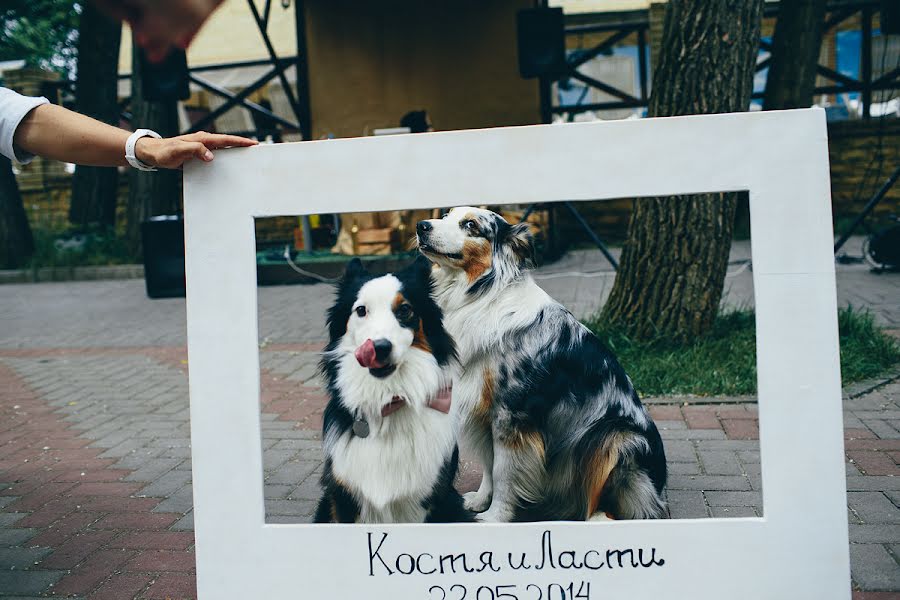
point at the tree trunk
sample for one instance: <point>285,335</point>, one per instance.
<point>150,193</point>
<point>673,263</point>
<point>795,54</point>
<point>16,243</point>
<point>95,189</point>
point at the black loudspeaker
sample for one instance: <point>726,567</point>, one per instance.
<point>890,17</point>
<point>163,240</point>
<point>542,42</point>
<point>166,80</point>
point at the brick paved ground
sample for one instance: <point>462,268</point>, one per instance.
<point>95,493</point>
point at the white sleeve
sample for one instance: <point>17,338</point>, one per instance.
<point>13,108</point>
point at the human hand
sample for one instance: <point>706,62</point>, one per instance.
<point>172,153</point>
<point>158,25</point>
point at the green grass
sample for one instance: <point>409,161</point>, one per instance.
<point>723,362</point>
<point>100,247</point>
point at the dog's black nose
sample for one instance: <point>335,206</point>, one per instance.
<point>382,349</point>
<point>423,227</point>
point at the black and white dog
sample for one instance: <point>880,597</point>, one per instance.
<point>554,419</point>
<point>390,446</point>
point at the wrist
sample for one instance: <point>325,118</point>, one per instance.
<point>137,138</point>
<point>144,151</point>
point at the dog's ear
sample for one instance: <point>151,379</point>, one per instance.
<point>421,266</point>
<point>346,290</point>
<point>355,268</point>
<point>521,242</point>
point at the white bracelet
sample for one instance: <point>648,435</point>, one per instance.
<point>132,142</point>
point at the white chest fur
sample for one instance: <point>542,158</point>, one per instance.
<point>392,470</point>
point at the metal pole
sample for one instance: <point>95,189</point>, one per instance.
<point>592,235</point>
<point>870,206</point>
<point>867,61</point>
<point>307,234</point>
<point>273,56</point>
<point>642,62</point>
<point>304,112</point>
<point>305,116</point>
<point>252,106</point>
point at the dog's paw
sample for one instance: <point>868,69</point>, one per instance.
<point>476,502</point>
<point>493,516</point>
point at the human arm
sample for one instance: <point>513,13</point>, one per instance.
<point>60,134</point>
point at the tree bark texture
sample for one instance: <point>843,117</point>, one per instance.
<point>673,264</point>
<point>95,189</point>
<point>795,53</point>
<point>157,192</point>
<point>16,243</point>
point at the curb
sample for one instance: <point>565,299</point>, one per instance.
<point>849,392</point>
<point>97,273</point>
<point>861,388</point>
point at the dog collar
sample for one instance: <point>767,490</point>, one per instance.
<point>440,403</point>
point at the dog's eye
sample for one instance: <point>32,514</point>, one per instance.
<point>471,226</point>
<point>360,311</point>
<point>404,312</point>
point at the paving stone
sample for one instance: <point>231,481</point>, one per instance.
<point>308,490</point>
<point>167,484</point>
<point>7,519</point>
<point>719,462</point>
<point>172,585</point>
<point>738,446</point>
<point>152,469</point>
<point>733,498</point>
<point>21,558</point>
<point>122,586</point>
<point>680,451</point>
<point>732,512</point>
<point>123,449</point>
<point>180,502</point>
<point>874,534</point>
<point>687,504</point>
<point>290,507</point>
<point>300,444</point>
<point>277,492</point>
<point>291,473</point>
<point>709,482</point>
<point>185,523</point>
<point>747,456</point>
<point>873,484</point>
<point>684,468</point>
<point>92,572</point>
<point>873,568</point>
<point>16,536</point>
<point>28,582</point>
<point>873,507</point>
<point>693,434</point>
<point>76,548</point>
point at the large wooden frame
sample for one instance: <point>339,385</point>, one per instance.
<point>798,549</point>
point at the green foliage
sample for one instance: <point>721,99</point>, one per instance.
<point>866,350</point>
<point>76,249</point>
<point>42,32</point>
<point>723,362</point>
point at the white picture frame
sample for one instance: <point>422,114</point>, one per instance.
<point>797,550</point>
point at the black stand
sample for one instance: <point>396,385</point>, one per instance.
<point>870,206</point>
<point>547,117</point>
<point>584,225</point>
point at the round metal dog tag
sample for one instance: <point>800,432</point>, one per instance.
<point>361,428</point>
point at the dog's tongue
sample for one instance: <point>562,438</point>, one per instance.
<point>441,402</point>
<point>365,355</point>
